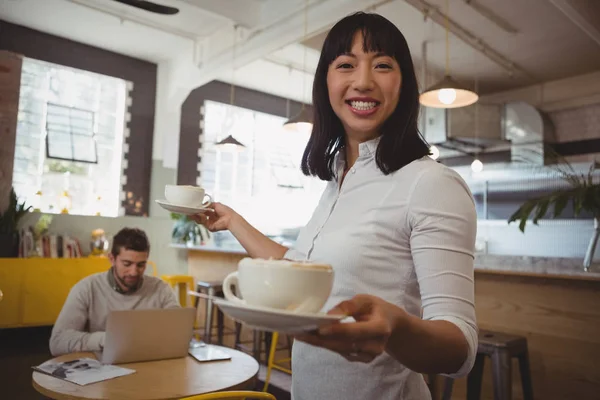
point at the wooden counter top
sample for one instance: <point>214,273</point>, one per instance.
<point>539,267</point>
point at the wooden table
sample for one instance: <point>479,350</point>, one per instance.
<point>157,380</point>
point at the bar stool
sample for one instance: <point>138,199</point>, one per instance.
<point>501,348</point>
<point>212,289</point>
<point>258,337</point>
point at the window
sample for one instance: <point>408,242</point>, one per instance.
<point>263,181</point>
<point>70,134</point>
<point>69,143</point>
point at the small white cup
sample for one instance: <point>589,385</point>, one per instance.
<point>187,196</point>
<point>301,287</point>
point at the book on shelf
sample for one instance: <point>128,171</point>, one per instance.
<point>82,371</point>
<point>49,246</point>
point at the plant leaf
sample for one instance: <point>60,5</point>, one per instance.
<point>523,212</point>
<point>560,202</point>
<point>541,208</point>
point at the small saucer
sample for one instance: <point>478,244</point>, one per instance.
<point>181,209</point>
<point>274,320</point>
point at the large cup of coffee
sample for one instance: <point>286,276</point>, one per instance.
<point>301,287</point>
<point>187,196</point>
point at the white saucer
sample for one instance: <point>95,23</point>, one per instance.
<point>273,320</point>
<point>181,209</point>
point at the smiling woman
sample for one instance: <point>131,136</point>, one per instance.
<point>397,228</point>
<point>359,76</point>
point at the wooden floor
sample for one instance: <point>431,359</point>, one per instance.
<point>280,384</point>
<point>21,349</point>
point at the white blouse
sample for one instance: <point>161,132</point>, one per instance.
<point>408,238</point>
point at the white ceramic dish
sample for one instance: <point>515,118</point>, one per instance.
<point>274,320</point>
<point>177,209</point>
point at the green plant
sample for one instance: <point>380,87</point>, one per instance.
<point>9,220</point>
<point>583,194</point>
<point>186,229</point>
<point>41,226</point>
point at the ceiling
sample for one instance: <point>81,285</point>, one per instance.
<point>544,39</point>
<point>552,39</point>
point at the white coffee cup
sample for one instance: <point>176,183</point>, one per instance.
<point>187,196</point>
<point>301,287</point>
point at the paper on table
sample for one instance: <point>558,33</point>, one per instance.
<point>82,371</point>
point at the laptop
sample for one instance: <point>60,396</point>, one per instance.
<point>146,335</point>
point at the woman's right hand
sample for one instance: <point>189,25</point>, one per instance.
<point>217,220</point>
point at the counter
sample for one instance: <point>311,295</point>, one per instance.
<point>547,267</point>
<point>550,301</point>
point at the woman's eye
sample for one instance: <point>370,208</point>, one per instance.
<point>384,66</point>
<point>344,66</point>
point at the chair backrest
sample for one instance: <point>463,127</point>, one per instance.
<point>243,394</point>
<point>154,269</point>
<point>183,283</point>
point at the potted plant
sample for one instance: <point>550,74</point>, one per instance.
<point>9,222</point>
<point>187,231</point>
<point>582,193</point>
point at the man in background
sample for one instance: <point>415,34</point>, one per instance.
<point>81,323</point>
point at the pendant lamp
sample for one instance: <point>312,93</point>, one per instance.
<point>447,93</point>
<point>300,122</point>
<point>303,120</point>
<point>230,143</point>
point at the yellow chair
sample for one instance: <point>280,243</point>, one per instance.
<point>241,395</point>
<point>272,363</point>
<point>183,283</point>
<point>154,269</point>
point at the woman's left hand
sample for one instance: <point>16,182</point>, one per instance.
<point>365,339</point>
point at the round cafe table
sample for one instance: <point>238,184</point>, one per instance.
<point>157,380</point>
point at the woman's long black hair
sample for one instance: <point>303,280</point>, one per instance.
<point>401,142</point>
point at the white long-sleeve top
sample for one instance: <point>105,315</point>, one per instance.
<point>408,238</point>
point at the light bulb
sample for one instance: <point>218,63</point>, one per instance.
<point>435,152</point>
<point>300,127</point>
<point>476,166</point>
<point>447,96</point>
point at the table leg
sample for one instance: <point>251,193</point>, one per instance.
<point>209,316</point>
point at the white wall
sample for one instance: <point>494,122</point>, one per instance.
<point>167,259</point>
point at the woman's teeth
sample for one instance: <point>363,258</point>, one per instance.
<point>363,105</point>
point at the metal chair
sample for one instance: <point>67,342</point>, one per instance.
<point>273,363</point>
<point>500,348</point>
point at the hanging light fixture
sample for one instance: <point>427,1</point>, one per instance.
<point>230,143</point>
<point>303,120</point>
<point>476,165</point>
<point>447,93</point>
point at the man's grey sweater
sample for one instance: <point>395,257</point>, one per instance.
<point>81,323</point>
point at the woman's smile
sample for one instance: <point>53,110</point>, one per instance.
<point>363,106</point>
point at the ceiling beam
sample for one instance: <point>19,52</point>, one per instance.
<point>491,16</point>
<point>244,12</point>
<point>568,9</point>
<point>214,55</point>
<point>433,11</point>
<point>293,56</point>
